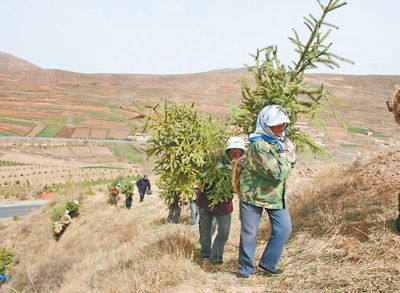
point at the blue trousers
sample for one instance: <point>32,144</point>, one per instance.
<point>214,252</point>
<point>281,225</point>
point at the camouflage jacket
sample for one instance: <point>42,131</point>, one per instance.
<point>263,175</point>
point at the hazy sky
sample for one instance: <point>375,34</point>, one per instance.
<point>182,36</point>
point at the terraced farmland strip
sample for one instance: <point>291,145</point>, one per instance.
<point>5,133</point>
<point>18,122</point>
<point>128,152</point>
<point>38,129</point>
<point>358,130</point>
<point>50,131</point>
<point>66,132</point>
<point>54,109</point>
<point>98,133</point>
<point>9,163</point>
<point>44,119</point>
<point>104,167</point>
<point>81,132</point>
<point>118,133</point>
<point>16,129</point>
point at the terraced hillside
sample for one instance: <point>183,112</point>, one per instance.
<point>38,102</point>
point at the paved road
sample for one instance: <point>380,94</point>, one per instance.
<point>21,208</point>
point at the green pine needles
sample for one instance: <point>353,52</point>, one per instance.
<point>186,144</point>
<point>6,259</point>
<point>276,83</point>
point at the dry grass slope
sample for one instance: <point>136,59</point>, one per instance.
<point>343,242</point>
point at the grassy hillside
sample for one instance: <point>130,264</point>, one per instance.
<point>343,240</point>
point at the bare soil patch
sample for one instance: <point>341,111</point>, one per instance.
<point>101,123</point>
<point>118,133</point>
<point>88,108</point>
<point>81,132</point>
<point>17,129</point>
<point>213,108</point>
<point>66,132</point>
<point>45,195</point>
<point>28,113</point>
<point>98,133</point>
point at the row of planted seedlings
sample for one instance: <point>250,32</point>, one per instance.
<point>18,179</point>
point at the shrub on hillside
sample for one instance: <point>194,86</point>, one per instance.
<point>57,212</point>
<point>6,259</point>
<point>72,207</point>
<point>128,187</point>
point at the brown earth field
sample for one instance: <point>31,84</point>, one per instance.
<point>17,129</point>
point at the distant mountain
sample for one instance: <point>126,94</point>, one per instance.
<point>10,62</point>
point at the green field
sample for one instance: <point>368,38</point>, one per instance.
<point>104,167</point>
<point>5,133</point>
<point>358,130</point>
<point>9,163</point>
<point>365,132</point>
<point>128,152</point>
<point>50,131</point>
<point>379,135</point>
<point>349,145</point>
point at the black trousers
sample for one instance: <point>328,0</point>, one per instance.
<point>128,202</point>
<point>141,193</point>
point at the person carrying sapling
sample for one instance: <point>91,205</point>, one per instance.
<point>269,160</point>
<point>235,148</point>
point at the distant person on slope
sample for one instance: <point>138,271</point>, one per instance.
<point>129,197</point>
<point>143,186</point>
<point>262,186</point>
<point>235,148</point>
<point>115,193</point>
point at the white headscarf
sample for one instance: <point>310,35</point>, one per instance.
<point>270,115</point>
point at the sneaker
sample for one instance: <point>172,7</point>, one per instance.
<point>269,273</point>
<point>241,276</point>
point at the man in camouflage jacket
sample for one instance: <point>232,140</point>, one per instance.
<point>262,185</point>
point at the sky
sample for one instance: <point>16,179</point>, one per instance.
<point>187,36</point>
